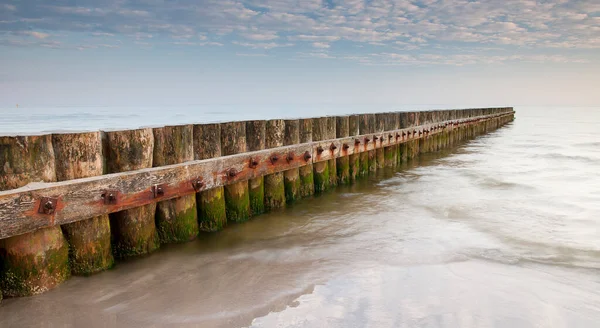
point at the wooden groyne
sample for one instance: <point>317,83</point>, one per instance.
<point>70,204</point>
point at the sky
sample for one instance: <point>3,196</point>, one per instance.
<point>299,52</point>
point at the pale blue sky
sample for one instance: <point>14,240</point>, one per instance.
<point>277,52</point>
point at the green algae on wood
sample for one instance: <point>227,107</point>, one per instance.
<point>320,169</point>
<point>291,178</point>
<point>274,185</point>
<point>332,165</point>
<point>210,203</point>
<point>307,182</point>
<point>363,126</point>
<point>134,230</point>
<point>343,162</point>
<point>176,219</point>
<point>80,155</point>
<point>237,199</point>
<point>255,140</point>
<point>34,262</point>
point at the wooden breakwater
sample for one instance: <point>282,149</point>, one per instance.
<point>75,203</point>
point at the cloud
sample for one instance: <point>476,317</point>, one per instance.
<point>321,45</point>
<point>410,25</point>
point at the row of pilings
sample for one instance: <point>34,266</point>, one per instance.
<point>34,262</point>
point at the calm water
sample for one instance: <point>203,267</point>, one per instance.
<point>503,231</point>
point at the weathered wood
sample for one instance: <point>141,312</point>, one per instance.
<point>274,185</point>
<point>80,155</point>
<point>211,202</point>
<point>133,230</point>
<point>34,262</point>
<point>379,129</point>
<point>176,219</point>
<point>307,183</point>
<point>332,165</point>
<point>343,162</point>
<point>321,168</point>
<point>363,127</point>
<point>354,159</point>
<point>82,197</point>
<point>255,140</point>
<point>237,198</point>
<point>291,177</point>
<point>372,127</point>
<point>392,123</point>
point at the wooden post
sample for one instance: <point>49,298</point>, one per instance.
<point>255,140</point>
<point>274,186</point>
<point>321,169</point>
<point>176,219</point>
<point>237,199</point>
<point>80,155</point>
<point>363,127</point>
<point>134,230</point>
<point>292,177</point>
<point>372,127</point>
<point>332,165</point>
<point>343,163</point>
<point>380,127</point>
<point>307,182</point>
<point>354,159</point>
<point>38,261</point>
<point>391,152</point>
<point>403,147</point>
<point>211,203</point>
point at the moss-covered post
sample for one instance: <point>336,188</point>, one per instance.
<point>274,186</point>
<point>332,165</point>
<point>391,152</point>
<point>403,147</point>
<point>34,262</point>
<point>176,219</point>
<point>255,140</point>
<point>372,128</point>
<point>363,128</point>
<point>237,198</point>
<point>343,162</point>
<point>321,169</point>
<point>292,177</point>
<point>379,128</point>
<point>354,159</point>
<point>133,230</point>
<point>211,202</point>
<point>80,155</point>
<point>307,182</point>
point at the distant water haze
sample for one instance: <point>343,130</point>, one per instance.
<point>502,231</point>
<point>34,120</point>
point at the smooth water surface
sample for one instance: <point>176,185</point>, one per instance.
<point>503,231</point>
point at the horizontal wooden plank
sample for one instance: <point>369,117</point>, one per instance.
<point>42,205</point>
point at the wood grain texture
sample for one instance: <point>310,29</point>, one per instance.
<point>343,162</point>
<point>237,198</point>
<point>80,155</point>
<point>211,202</point>
<point>307,183</point>
<point>255,140</point>
<point>274,184</point>
<point>291,178</point>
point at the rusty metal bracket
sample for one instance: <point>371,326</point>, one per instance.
<point>197,184</point>
<point>158,190</point>
<point>47,205</point>
<point>110,197</point>
<point>307,156</point>
<point>252,163</point>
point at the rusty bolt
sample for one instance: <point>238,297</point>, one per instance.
<point>253,163</point>
<point>320,150</point>
<point>356,142</point>
<point>110,197</point>
<point>332,147</point>
<point>307,156</point>
<point>404,133</point>
<point>274,158</point>
<point>390,137</point>
<point>197,184</point>
<point>345,146</point>
<point>367,140</point>
<point>375,138</point>
<point>158,190</point>
<point>415,132</point>
<point>231,173</point>
<point>290,157</point>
